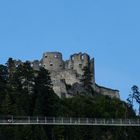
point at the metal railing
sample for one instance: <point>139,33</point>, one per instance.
<point>28,120</point>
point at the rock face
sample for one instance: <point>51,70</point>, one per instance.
<point>66,75</point>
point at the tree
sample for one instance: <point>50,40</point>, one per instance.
<point>135,95</point>
<point>8,106</point>
<point>3,77</point>
<point>44,97</point>
<point>11,68</point>
<point>3,83</point>
<point>86,79</point>
<point>22,86</point>
<point>23,77</point>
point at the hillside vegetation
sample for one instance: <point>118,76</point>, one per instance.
<point>26,92</point>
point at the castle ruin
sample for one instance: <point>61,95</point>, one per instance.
<point>66,75</point>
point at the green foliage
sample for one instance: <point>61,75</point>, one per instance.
<point>26,92</point>
<point>44,96</point>
<point>86,80</point>
<point>23,77</point>
<point>11,68</point>
<point>3,77</point>
<point>8,106</point>
<point>134,96</point>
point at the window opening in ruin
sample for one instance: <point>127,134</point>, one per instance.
<point>51,64</point>
<point>72,58</point>
<point>31,65</point>
<point>39,64</point>
<point>46,56</point>
<point>82,57</point>
<point>55,56</point>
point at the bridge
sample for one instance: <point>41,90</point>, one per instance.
<point>27,120</point>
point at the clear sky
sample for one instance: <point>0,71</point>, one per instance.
<point>108,30</point>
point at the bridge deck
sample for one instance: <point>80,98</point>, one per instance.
<point>67,121</point>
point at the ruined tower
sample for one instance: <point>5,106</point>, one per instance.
<point>52,61</point>
<point>78,62</point>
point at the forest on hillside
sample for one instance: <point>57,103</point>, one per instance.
<point>26,92</point>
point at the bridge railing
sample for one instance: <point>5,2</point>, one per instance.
<point>66,121</point>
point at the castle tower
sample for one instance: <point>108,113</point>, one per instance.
<point>76,63</point>
<point>86,60</point>
<point>52,61</point>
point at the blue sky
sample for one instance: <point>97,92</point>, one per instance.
<point>108,30</point>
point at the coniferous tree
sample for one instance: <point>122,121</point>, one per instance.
<point>3,77</point>
<point>23,82</point>
<point>8,106</point>
<point>136,95</point>
<point>24,76</point>
<point>3,84</point>
<point>86,80</point>
<point>44,96</point>
<point>11,69</point>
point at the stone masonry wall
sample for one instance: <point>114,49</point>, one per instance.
<point>69,72</point>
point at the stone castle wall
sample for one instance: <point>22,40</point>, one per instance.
<point>107,91</point>
<point>69,72</point>
<point>52,61</point>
